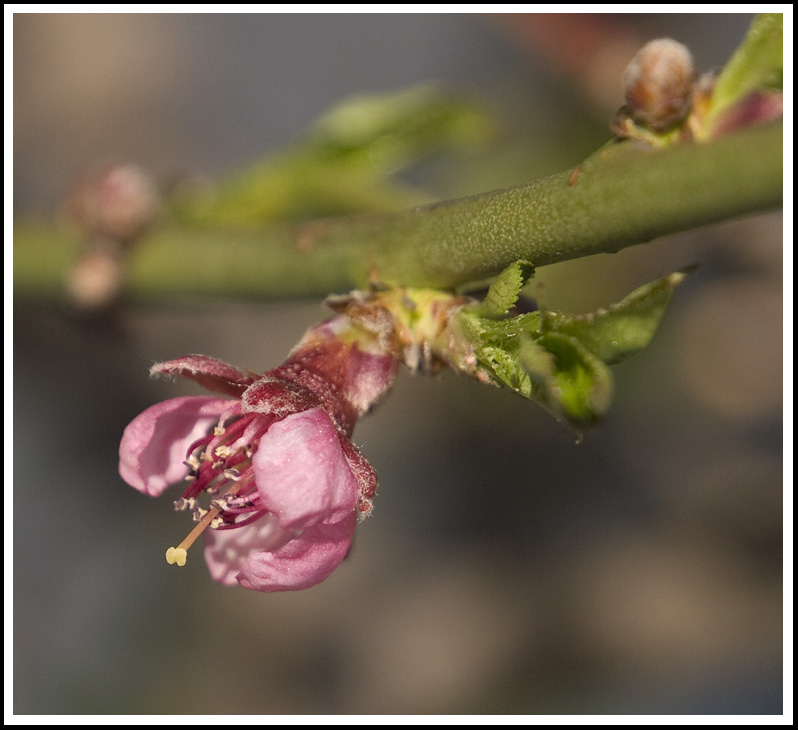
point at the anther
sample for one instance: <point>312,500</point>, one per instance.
<point>192,463</point>
<point>176,555</point>
<point>181,503</point>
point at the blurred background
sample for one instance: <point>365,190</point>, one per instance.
<point>506,569</point>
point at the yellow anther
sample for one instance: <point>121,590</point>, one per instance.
<point>208,517</point>
<point>176,555</point>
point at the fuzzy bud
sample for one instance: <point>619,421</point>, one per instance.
<point>658,84</point>
<point>113,206</point>
<point>95,280</point>
<point>118,201</point>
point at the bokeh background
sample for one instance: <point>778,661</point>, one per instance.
<point>506,569</point>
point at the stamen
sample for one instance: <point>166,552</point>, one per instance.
<point>178,554</point>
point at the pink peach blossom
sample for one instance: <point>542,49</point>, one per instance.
<point>285,484</point>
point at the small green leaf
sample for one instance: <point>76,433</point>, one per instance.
<point>505,290</point>
<point>504,366</point>
<point>395,128</point>
<point>571,381</point>
<point>621,330</point>
<point>555,359</point>
<point>756,64</point>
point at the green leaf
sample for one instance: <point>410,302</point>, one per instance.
<point>395,128</point>
<point>756,64</point>
<point>505,290</point>
<point>505,366</point>
<point>621,330</point>
<point>566,377</point>
<point>555,359</point>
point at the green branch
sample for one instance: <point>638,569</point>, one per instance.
<point>627,193</point>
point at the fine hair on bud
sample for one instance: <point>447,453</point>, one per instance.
<point>658,84</point>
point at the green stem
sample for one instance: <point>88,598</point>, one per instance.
<point>626,193</point>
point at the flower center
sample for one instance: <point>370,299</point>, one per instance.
<point>220,465</point>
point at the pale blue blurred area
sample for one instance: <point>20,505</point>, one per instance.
<point>505,569</point>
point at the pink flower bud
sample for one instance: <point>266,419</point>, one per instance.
<point>113,206</point>
<point>118,201</point>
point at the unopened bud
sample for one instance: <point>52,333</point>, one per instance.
<point>113,206</point>
<point>119,201</point>
<point>94,282</point>
<point>658,84</point>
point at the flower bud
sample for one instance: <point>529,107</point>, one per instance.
<point>95,280</point>
<point>658,84</point>
<point>113,206</point>
<point>119,202</point>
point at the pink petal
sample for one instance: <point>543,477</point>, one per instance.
<point>210,373</point>
<point>301,563</point>
<point>154,444</point>
<point>302,473</point>
<point>226,551</point>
